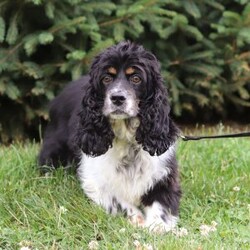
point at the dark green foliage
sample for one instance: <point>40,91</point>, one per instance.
<point>203,47</point>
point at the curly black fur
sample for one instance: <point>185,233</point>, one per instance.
<point>94,135</point>
<point>157,131</point>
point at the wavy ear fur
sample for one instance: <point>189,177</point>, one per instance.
<point>94,134</point>
<point>156,132</point>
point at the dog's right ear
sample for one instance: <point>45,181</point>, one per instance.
<point>94,135</point>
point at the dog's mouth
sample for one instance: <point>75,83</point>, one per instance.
<point>119,114</point>
<point>127,110</point>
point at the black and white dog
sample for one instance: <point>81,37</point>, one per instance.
<point>115,124</point>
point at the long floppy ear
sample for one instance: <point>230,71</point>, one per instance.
<point>94,135</point>
<point>156,132</point>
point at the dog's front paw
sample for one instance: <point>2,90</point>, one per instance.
<point>137,220</point>
<point>158,220</point>
<point>158,225</point>
<point>136,217</point>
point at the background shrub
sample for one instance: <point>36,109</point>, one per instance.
<point>203,47</point>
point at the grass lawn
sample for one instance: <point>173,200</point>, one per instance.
<point>51,212</point>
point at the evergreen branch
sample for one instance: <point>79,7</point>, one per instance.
<point>175,62</point>
<point>126,17</point>
<point>239,101</point>
<point>57,28</point>
<point>3,3</point>
<point>242,56</point>
<point>113,21</point>
<point>150,3</point>
<point>10,52</point>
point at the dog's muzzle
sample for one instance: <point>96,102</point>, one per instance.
<point>120,104</point>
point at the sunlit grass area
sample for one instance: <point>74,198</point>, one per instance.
<point>51,212</point>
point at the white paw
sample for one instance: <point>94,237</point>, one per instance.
<point>158,220</point>
<point>160,226</point>
<point>136,217</point>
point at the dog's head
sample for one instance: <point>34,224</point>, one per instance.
<point>125,82</point>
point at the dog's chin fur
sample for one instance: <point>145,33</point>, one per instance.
<point>118,116</point>
<point>126,160</point>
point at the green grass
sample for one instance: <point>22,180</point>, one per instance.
<point>32,206</point>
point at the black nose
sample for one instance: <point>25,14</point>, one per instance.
<point>118,99</point>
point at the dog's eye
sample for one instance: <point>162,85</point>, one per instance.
<point>107,79</point>
<point>135,79</point>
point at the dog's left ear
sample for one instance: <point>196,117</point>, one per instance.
<point>157,132</point>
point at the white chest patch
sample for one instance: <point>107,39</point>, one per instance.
<point>125,172</point>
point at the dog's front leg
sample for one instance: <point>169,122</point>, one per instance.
<point>161,205</point>
<point>112,204</point>
<point>159,219</point>
<point>133,213</point>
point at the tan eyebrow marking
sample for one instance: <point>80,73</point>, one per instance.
<point>112,70</point>
<point>129,71</point>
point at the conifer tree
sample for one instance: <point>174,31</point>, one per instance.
<point>203,47</point>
